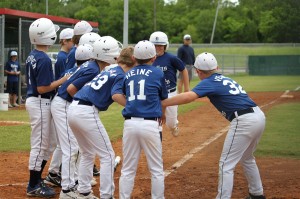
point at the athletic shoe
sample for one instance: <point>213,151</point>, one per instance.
<point>40,190</point>
<point>95,171</point>
<point>90,196</point>
<point>53,180</point>
<point>69,195</point>
<point>16,105</point>
<point>255,197</point>
<point>175,131</point>
<point>10,106</point>
<point>93,182</point>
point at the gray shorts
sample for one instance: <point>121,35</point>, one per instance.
<point>190,72</point>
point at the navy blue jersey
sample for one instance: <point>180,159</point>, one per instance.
<point>144,87</point>
<point>224,93</point>
<point>186,54</point>
<point>169,64</point>
<point>12,66</point>
<point>83,74</point>
<point>38,72</point>
<point>71,61</point>
<point>101,89</point>
<point>60,65</point>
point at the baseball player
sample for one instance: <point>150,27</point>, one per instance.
<point>59,107</point>
<point>65,40</point>
<point>169,64</point>
<point>84,121</point>
<point>145,88</point>
<point>40,90</point>
<point>80,28</point>
<point>247,123</point>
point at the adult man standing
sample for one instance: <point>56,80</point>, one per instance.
<point>187,55</point>
<point>169,64</point>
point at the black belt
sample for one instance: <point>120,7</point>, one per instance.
<point>241,112</point>
<point>172,90</point>
<point>145,118</point>
<point>41,96</point>
<point>82,102</point>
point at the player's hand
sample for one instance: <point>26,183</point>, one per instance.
<point>162,120</point>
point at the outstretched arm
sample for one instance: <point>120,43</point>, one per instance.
<point>120,99</point>
<point>185,78</point>
<point>182,98</point>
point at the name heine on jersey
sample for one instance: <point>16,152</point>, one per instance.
<point>142,71</point>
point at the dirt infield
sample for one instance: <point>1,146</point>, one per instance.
<point>197,178</point>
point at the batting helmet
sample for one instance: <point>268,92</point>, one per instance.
<point>82,27</point>
<point>84,52</point>
<point>89,38</point>
<point>159,38</point>
<point>43,32</point>
<point>107,49</point>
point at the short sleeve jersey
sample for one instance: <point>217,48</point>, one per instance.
<point>186,54</point>
<point>38,72</point>
<point>144,87</point>
<point>100,90</point>
<point>12,66</point>
<point>71,61</point>
<point>85,73</point>
<point>224,93</point>
<point>60,64</point>
<point>169,64</point>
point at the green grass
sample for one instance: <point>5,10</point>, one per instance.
<point>281,137</point>
<point>254,50</point>
<point>15,138</point>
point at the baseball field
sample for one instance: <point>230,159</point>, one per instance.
<point>191,159</point>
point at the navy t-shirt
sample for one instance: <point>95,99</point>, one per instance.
<point>12,66</point>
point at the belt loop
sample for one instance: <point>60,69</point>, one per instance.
<point>236,114</point>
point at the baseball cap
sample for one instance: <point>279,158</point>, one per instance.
<point>206,61</point>
<point>82,27</point>
<point>187,37</point>
<point>66,33</point>
<point>144,50</point>
<point>84,52</point>
<point>13,53</point>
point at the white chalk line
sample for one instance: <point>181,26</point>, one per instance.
<point>298,88</point>
<point>190,154</point>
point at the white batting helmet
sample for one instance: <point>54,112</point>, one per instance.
<point>206,61</point>
<point>89,38</point>
<point>43,32</point>
<point>84,52</point>
<point>66,33</point>
<point>107,49</point>
<point>82,27</point>
<point>159,38</point>
<point>144,50</point>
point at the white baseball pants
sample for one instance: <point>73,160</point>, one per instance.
<point>171,113</point>
<point>239,145</point>
<point>138,135</point>
<point>40,120</point>
<point>93,140</point>
<point>67,142</point>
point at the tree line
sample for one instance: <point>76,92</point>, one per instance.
<point>249,21</point>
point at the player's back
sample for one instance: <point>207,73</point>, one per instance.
<point>99,91</point>
<point>85,73</point>
<point>144,88</point>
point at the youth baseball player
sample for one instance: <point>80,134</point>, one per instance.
<point>59,107</point>
<point>247,123</point>
<point>80,28</point>
<point>40,90</point>
<point>83,118</point>
<point>145,88</point>
<point>169,64</point>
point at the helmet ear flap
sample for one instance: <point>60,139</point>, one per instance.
<point>43,32</point>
